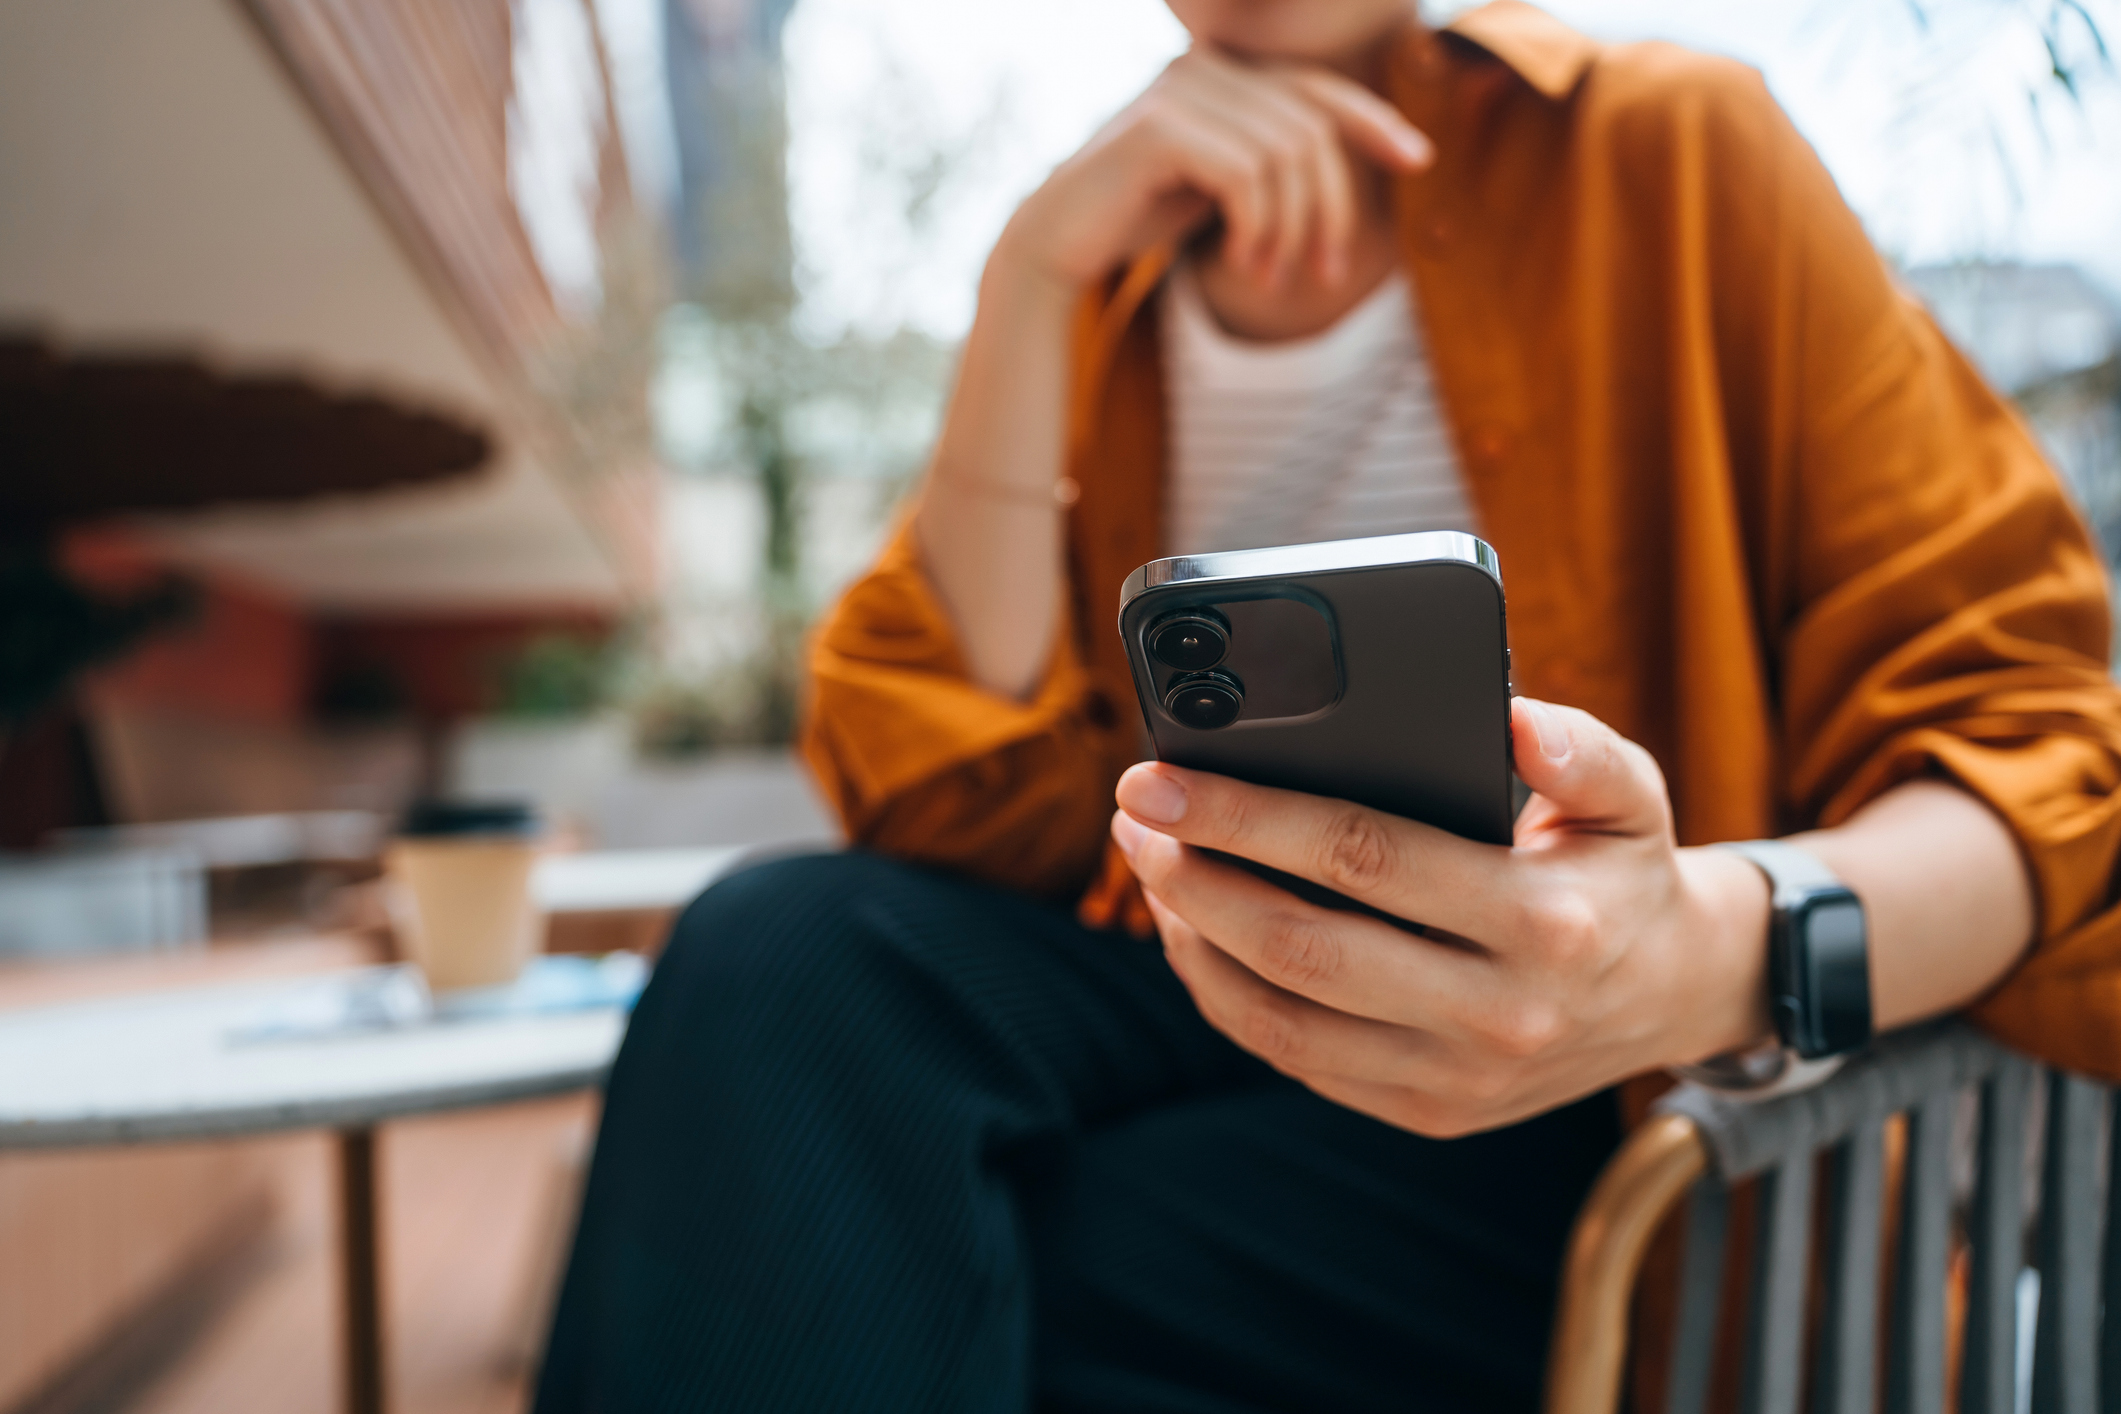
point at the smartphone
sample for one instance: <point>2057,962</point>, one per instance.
<point>1375,670</point>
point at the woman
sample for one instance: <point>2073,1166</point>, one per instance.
<point>891,1130</point>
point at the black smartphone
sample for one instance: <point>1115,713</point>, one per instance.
<point>1373,670</point>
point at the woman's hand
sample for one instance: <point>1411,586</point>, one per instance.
<point>1268,146</point>
<point>1592,950</point>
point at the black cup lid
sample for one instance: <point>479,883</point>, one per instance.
<point>428,819</point>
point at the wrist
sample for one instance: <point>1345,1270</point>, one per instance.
<point>1023,279</point>
<point>1729,1006</point>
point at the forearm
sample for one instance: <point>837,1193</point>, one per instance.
<point>989,525</point>
<point>1945,891</point>
<point>1946,898</point>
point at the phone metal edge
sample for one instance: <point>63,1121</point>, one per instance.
<point>1370,552</point>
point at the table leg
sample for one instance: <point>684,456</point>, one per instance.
<point>361,1271</point>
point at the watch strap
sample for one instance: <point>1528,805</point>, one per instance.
<point>1818,952</point>
<point>1767,1070</point>
<point>1788,868</point>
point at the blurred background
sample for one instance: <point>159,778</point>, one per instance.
<point>480,397</point>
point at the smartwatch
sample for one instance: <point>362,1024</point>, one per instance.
<point>1819,973</point>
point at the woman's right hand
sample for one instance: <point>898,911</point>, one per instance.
<point>1270,147</point>
<point>1274,148</point>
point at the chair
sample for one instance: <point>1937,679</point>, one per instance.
<point>1816,1345</point>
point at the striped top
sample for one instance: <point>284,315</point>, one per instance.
<point>1325,438</point>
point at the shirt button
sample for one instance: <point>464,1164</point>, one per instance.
<point>1437,234</point>
<point>1491,444</point>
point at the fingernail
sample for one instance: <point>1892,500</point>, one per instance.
<point>1550,730</point>
<point>1418,148</point>
<point>1153,796</point>
<point>1128,833</point>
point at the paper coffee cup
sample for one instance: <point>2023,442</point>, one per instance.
<point>460,883</point>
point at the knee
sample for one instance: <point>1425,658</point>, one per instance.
<point>772,935</point>
<point>736,976</point>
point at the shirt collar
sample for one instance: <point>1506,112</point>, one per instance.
<point>1543,51</point>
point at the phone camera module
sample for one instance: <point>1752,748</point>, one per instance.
<point>1191,643</point>
<point>1205,702</point>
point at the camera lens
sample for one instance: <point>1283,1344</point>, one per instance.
<point>1205,701</point>
<point>1189,642</point>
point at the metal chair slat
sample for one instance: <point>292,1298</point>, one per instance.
<point>1914,1382</point>
<point>1996,1231</point>
<point>2110,1328</point>
<point>1700,1298</point>
<point>1848,1329</point>
<point>2066,1338</point>
<point>1701,1142</point>
<point>1775,1318</point>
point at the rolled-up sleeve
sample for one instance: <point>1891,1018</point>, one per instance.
<point>1947,614</point>
<point>923,763</point>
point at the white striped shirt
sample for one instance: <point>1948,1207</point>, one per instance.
<point>1324,438</point>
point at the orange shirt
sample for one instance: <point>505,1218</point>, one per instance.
<point>1752,509</point>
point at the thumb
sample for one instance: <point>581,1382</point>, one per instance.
<point>1591,775</point>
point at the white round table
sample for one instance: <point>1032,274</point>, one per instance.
<point>192,1064</point>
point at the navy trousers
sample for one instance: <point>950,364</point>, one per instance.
<point>883,1139</point>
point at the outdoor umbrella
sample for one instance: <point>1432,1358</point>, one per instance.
<point>86,436</point>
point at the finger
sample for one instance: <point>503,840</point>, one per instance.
<point>1271,124</point>
<point>1337,218</point>
<point>1410,1079</point>
<point>1294,136</point>
<point>1406,869</point>
<point>1201,153</point>
<point>1294,214</point>
<point>1373,126</point>
<point>1593,778</point>
<point>1333,206</point>
<point>1291,1033</point>
<point>1342,960</point>
<point>1406,1076</point>
<point>1176,214</point>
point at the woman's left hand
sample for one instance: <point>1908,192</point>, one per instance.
<point>1591,950</point>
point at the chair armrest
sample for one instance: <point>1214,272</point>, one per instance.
<point>1745,1137</point>
<point>1641,1184</point>
<point>1695,1131</point>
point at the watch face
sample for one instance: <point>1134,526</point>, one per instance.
<point>1832,960</point>
<point>1834,927</point>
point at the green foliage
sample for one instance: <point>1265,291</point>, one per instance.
<point>754,399</point>
<point>2069,29</point>
<point>753,703</point>
<point>556,676</point>
<point>763,432</point>
<point>1958,38</point>
<point>744,390</point>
